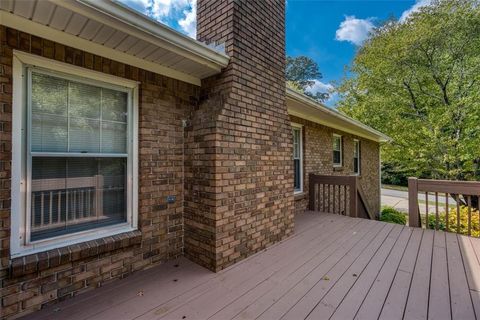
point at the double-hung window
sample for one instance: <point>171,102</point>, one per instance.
<point>356,156</point>
<point>76,157</point>
<point>337,150</point>
<point>297,158</point>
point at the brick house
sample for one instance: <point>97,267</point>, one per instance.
<point>125,144</point>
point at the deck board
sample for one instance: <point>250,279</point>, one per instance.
<point>368,296</point>
<point>245,279</point>
<point>294,270</point>
<point>376,251</point>
<point>396,300</point>
<point>301,275</point>
<point>439,304</point>
<point>460,300</point>
<point>332,267</point>
<point>320,274</point>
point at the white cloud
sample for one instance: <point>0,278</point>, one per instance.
<point>354,30</point>
<point>320,86</point>
<point>407,13</point>
<point>189,23</point>
<point>183,12</point>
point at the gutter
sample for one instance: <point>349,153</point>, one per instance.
<point>169,39</point>
<point>304,99</point>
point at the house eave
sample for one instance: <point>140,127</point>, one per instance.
<point>152,46</point>
<point>304,107</point>
<point>170,38</point>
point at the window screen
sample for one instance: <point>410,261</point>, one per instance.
<point>356,156</point>
<point>297,159</point>
<point>337,150</point>
<point>78,156</point>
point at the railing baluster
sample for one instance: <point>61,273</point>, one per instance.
<point>328,197</point>
<point>323,198</point>
<point>87,202</point>
<point>50,216</point>
<point>82,203</point>
<point>436,210</point>
<point>469,204</point>
<point>426,210</point>
<point>333,198</point>
<point>74,205</point>
<point>447,209</point>
<point>340,199</point>
<point>42,208</point>
<point>67,206</point>
<point>320,198</point>
<point>345,200</point>
<point>457,199</point>
<point>33,209</point>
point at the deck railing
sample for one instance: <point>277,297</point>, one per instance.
<point>456,212</point>
<point>338,194</point>
<point>56,202</point>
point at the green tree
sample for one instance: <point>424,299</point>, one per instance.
<point>418,81</point>
<point>301,73</point>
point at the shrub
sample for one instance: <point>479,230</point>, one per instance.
<point>389,214</point>
<point>452,221</point>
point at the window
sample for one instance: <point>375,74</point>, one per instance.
<point>337,150</point>
<point>356,156</point>
<point>76,156</point>
<point>297,158</point>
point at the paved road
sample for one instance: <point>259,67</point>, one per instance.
<point>404,195</point>
<point>399,200</point>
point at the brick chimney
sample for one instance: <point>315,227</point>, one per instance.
<point>238,164</point>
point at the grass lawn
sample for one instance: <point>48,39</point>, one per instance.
<point>394,187</point>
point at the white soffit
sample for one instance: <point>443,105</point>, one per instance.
<point>304,107</point>
<point>114,31</point>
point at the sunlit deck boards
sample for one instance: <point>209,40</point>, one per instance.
<point>333,267</point>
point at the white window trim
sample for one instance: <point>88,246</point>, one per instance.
<point>300,127</point>
<point>338,165</point>
<point>19,187</point>
<point>356,141</point>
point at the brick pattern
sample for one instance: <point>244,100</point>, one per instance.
<point>239,180</point>
<point>317,159</point>
<point>39,281</point>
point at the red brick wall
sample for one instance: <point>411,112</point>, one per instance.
<point>163,104</point>
<point>317,159</point>
<point>239,181</point>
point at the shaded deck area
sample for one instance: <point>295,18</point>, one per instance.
<point>333,267</point>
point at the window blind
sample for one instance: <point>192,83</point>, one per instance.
<point>72,194</point>
<point>69,116</point>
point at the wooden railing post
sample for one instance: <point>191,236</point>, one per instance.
<point>413,211</point>
<point>353,197</point>
<point>311,192</point>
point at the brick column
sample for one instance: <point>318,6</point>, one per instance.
<point>238,164</point>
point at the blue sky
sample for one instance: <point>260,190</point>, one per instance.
<point>328,31</point>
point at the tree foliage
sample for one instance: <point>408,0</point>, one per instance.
<point>301,73</point>
<point>418,82</point>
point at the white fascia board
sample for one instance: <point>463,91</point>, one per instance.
<point>313,106</point>
<point>127,20</point>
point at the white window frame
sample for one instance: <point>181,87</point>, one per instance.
<point>296,126</point>
<point>356,144</point>
<point>340,164</point>
<point>20,243</point>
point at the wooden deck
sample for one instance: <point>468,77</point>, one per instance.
<point>333,267</point>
